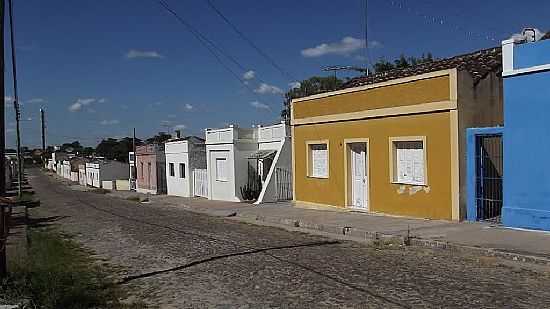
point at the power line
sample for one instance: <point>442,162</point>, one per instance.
<point>436,20</point>
<point>211,47</point>
<point>269,59</point>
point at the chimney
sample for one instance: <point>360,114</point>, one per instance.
<point>177,133</point>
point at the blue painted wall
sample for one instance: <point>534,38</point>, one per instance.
<point>532,54</point>
<point>527,142</point>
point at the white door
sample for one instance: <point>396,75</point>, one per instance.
<point>359,179</point>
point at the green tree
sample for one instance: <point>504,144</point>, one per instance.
<point>160,138</point>
<point>382,65</point>
<point>313,85</point>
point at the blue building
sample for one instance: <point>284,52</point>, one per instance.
<point>526,136</point>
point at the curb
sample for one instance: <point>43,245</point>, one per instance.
<point>355,234</point>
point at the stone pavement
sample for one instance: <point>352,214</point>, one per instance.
<point>493,239</point>
<point>174,258</point>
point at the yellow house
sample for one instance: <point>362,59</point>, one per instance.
<point>394,142</point>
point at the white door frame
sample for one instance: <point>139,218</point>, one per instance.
<point>348,173</point>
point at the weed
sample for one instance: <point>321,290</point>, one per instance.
<point>58,273</point>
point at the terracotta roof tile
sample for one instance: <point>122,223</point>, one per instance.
<point>479,64</point>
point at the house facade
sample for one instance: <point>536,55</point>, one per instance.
<point>151,169</point>
<point>227,152</point>
<point>183,157</point>
<point>526,72</point>
<point>100,171</point>
<point>394,142</point>
<point>274,162</point>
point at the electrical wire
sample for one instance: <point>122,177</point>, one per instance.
<point>267,57</point>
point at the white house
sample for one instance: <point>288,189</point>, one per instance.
<point>183,157</point>
<point>259,159</point>
<point>66,169</point>
<point>274,163</point>
<point>105,170</point>
<point>82,174</point>
<point>133,170</point>
<point>227,151</point>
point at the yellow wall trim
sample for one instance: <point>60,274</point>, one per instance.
<point>381,112</point>
<point>377,85</point>
<point>455,177</point>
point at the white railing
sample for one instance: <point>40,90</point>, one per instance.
<point>200,182</point>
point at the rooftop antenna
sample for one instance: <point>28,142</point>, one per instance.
<point>336,68</point>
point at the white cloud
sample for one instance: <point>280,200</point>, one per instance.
<point>171,116</point>
<point>109,122</point>
<point>102,100</point>
<point>77,106</point>
<point>259,105</point>
<point>29,118</point>
<point>133,54</point>
<point>294,85</point>
<point>346,46</point>
<point>248,75</point>
<point>165,122</point>
<point>268,89</point>
<point>36,100</point>
<point>188,106</point>
<point>180,127</point>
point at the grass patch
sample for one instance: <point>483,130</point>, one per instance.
<point>57,273</point>
<point>134,198</point>
<point>100,191</point>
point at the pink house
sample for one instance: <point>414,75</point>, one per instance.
<point>151,169</point>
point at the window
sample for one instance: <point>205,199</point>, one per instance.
<point>408,161</point>
<point>182,170</point>
<point>221,169</point>
<point>132,157</point>
<point>318,160</point>
<point>172,171</point>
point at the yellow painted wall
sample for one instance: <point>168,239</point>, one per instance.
<point>435,89</point>
<point>432,201</point>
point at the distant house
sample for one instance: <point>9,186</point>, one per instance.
<point>133,171</point>
<point>82,177</point>
<point>151,169</point>
<point>66,169</point>
<point>57,159</point>
<point>183,156</point>
<point>395,142</point>
<point>100,171</point>
<point>75,163</point>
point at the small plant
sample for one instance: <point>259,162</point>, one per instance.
<point>251,191</point>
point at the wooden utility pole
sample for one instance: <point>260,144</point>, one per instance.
<point>3,221</point>
<point>43,126</point>
<point>16,105</point>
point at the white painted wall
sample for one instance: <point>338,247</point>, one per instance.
<point>176,153</point>
<point>275,137</point>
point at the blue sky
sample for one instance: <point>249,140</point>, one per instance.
<point>102,67</point>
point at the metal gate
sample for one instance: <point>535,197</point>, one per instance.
<point>489,175</point>
<point>283,178</point>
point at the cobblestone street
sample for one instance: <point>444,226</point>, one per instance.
<point>172,258</point>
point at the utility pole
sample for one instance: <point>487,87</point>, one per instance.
<point>16,105</point>
<point>43,126</point>
<point>134,167</point>
<point>3,221</point>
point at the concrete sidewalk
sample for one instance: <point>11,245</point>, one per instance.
<point>490,239</point>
